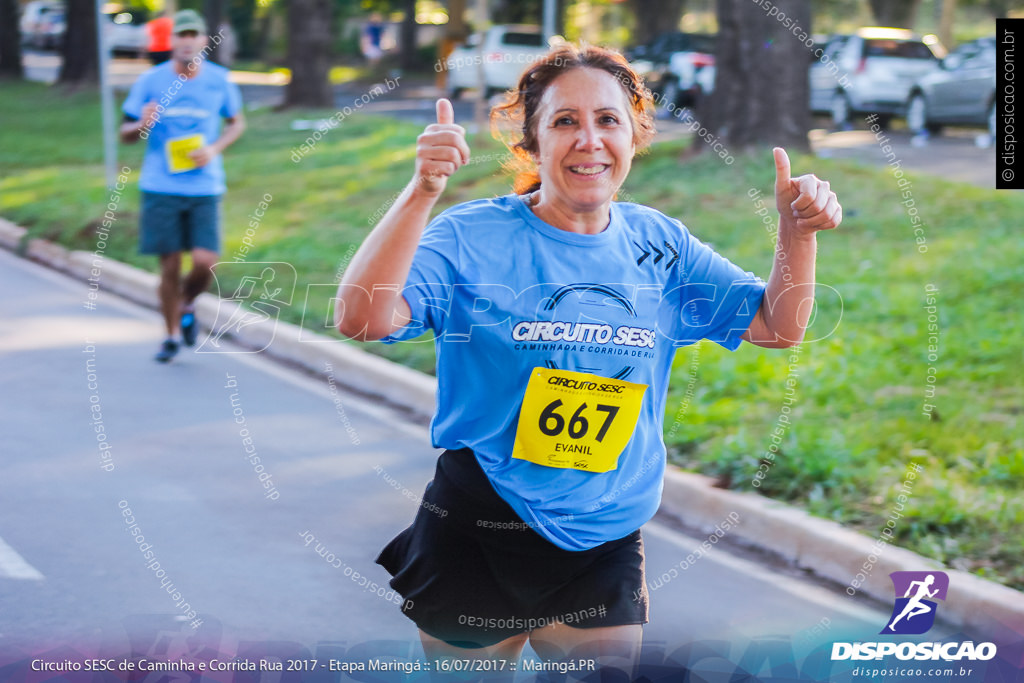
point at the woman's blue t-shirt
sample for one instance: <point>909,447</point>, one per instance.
<point>504,293</point>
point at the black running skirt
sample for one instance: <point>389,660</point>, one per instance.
<point>473,573</point>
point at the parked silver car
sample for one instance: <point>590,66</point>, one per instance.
<point>960,91</point>
<point>125,31</point>
<point>870,71</point>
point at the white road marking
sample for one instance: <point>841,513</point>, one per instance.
<point>14,566</point>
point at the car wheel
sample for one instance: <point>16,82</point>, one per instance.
<point>840,110</point>
<point>490,91</point>
<point>698,96</point>
<point>917,116</point>
<point>670,93</point>
<point>992,122</point>
<point>455,93</point>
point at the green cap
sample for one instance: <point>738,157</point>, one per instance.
<point>189,20</point>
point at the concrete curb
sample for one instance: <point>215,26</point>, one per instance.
<point>833,552</point>
<point>825,548</point>
<point>11,235</point>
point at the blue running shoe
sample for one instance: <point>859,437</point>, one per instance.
<point>168,350</point>
<point>189,329</point>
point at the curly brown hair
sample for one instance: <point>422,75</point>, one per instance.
<point>516,116</point>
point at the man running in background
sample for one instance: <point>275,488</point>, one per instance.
<point>177,108</point>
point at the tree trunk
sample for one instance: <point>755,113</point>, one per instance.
<point>242,15</point>
<point>895,13</point>
<point>79,48</point>
<point>946,22</point>
<point>309,54</point>
<point>654,17</point>
<point>455,33</point>
<point>261,42</point>
<point>455,30</point>
<point>526,12</point>
<point>761,88</point>
<point>10,41</point>
<point>517,12</point>
<point>408,59</point>
<point>213,12</point>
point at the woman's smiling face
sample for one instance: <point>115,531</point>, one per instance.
<point>584,139</point>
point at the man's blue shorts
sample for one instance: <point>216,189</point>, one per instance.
<point>174,222</point>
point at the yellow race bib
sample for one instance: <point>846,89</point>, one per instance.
<point>178,150</point>
<point>576,420</point>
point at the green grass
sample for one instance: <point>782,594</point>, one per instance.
<point>857,421</point>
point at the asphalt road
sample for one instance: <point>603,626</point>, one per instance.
<point>959,154</point>
<point>73,580</point>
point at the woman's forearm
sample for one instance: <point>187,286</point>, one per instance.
<point>369,303</point>
<point>789,296</point>
<point>806,206</point>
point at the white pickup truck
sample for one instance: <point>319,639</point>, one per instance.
<point>494,61</point>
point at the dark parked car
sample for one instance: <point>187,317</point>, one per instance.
<point>679,67</point>
<point>961,91</point>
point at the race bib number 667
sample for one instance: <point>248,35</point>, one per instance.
<point>576,420</point>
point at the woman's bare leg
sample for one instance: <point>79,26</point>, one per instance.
<point>505,655</point>
<point>613,650</point>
